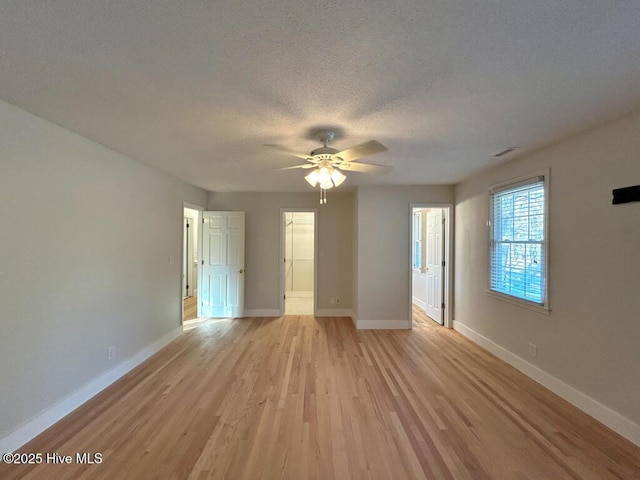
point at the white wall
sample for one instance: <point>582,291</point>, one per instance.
<point>383,256</point>
<point>591,339</point>
<point>78,271</point>
<point>419,288</point>
<point>262,255</point>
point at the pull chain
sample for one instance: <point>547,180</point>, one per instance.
<point>323,196</point>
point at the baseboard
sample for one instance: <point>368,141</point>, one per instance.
<point>334,312</point>
<point>419,303</point>
<point>382,324</point>
<point>262,312</point>
<point>39,424</point>
<point>612,419</point>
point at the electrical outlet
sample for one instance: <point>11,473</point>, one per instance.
<point>533,350</point>
<point>111,353</point>
<point>337,300</point>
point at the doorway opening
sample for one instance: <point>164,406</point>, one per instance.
<point>298,262</point>
<point>190,263</point>
<point>431,262</point>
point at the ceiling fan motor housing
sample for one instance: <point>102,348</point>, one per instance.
<point>325,151</point>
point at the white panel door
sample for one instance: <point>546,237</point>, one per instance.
<point>434,265</point>
<point>223,264</point>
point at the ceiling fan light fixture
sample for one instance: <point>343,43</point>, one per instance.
<point>326,162</point>
<point>312,178</point>
<point>337,177</point>
<point>324,176</point>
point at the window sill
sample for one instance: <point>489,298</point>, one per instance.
<point>542,309</point>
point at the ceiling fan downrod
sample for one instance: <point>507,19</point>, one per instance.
<point>327,137</point>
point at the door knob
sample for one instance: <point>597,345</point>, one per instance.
<point>242,270</point>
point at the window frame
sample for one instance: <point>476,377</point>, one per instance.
<point>513,183</point>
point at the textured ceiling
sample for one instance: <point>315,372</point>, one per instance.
<point>196,87</point>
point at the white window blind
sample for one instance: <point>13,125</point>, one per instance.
<point>518,240</point>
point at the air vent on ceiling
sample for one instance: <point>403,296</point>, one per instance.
<point>504,152</point>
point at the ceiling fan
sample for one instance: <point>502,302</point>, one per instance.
<point>327,162</point>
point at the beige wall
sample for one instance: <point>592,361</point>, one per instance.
<point>353,229</point>
<point>78,271</point>
<point>383,256</point>
<point>591,339</point>
<point>354,256</point>
<point>262,254</point>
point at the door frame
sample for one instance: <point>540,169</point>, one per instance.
<point>200,209</point>
<point>447,272</point>
<point>281,269</point>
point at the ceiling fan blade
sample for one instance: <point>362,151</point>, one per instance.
<point>305,165</point>
<point>287,150</point>
<point>362,150</point>
<point>364,167</point>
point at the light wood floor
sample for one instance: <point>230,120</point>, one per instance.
<point>298,303</point>
<point>190,308</point>
<point>306,398</point>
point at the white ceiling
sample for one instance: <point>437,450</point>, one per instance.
<point>196,87</point>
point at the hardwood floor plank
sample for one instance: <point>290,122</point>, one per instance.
<point>189,308</point>
<point>300,397</point>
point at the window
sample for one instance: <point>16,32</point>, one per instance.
<point>417,239</point>
<point>518,240</point>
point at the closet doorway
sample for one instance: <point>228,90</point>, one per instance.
<point>431,229</point>
<point>190,264</point>
<point>298,261</point>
